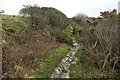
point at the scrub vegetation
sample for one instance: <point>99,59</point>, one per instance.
<point>37,39</point>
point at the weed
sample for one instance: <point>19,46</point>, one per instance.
<point>64,70</point>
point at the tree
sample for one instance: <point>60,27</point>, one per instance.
<point>80,16</point>
<point>35,14</point>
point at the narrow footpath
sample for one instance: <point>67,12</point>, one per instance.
<point>62,71</point>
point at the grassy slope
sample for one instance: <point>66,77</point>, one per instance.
<point>19,25</point>
<point>11,24</point>
<point>47,66</point>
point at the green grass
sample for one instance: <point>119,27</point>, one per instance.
<point>14,23</point>
<point>64,70</point>
<point>78,70</point>
<point>47,66</point>
<point>76,34</point>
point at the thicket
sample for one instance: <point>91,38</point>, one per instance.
<point>50,18</point>
<point>80,19</point>
<point>42,17</point>
<point>66,36</point>
<point>100,47</point>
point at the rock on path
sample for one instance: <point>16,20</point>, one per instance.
<point>62,71</point>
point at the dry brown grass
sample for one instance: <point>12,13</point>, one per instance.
<point>26,50</point>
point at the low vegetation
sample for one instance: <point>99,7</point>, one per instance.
<point>100,46</point>
<point>24,47</point>
<point>47,66</point>
<point>12,24</point>
<point>41,17</point>
<point>66,36</point>
<point>37,39</point>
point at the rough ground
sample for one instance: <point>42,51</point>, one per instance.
<point>62,71</point>
<point>26,49</point>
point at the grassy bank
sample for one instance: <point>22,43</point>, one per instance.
<point>79,70</point>
<point>24,47</point>
<point>12,24</point>
<point>47,66</point>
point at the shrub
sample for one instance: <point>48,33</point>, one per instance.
<point>80,16</point>
<point>101,48</point>
<point>62,36</point>
<point>56,18</point>
<point>80,19</point>
<point>76,30</point>
<point>41,17</point>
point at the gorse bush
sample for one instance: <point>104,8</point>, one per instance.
<point>62,36</point>
<point>65,35</point>
<point>80,19</point>
<point>101,48</point>
<point>41,17</point>
<point>80,16</point>
<point>76,31</point>
<point>56,18</point>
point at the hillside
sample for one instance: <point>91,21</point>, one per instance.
<point>42,42</point>
<point>24,45</point>
<point>45,16</point>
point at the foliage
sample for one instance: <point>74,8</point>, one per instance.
<point>81,19</point>
<point>76,31</point>
<point>65,35</point>
<point>62,36</point>
<point>41,17</point>
<point>79,70</point>
<point>80,16</point>
<point>56,18</point>
<point>101,48</point>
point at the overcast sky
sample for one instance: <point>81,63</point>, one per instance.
<point>70,8</point>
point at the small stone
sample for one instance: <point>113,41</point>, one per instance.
<point>70,59</point>
<point>65,75</point>
<point>66,58</point>
<point>66,62</point>
<point>74,62</point>
<point>57,71</point>
<point>63,60</point>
